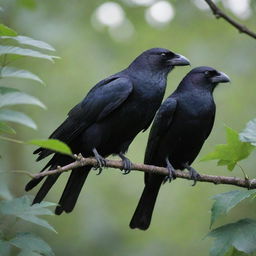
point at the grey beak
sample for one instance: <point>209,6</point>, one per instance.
<point>221,78</point>
<point>179,60</point>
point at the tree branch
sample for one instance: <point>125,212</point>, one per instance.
<point>81,161</point>
<point>220,14</point>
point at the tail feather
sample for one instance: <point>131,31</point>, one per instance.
<point>56,160</point>
<point>34,182</point>
<point>142,216</point>
<point>72,190</point>
<point>43,191</point>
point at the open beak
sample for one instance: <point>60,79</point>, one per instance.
<point>220,78</point>
<point>179,60</point>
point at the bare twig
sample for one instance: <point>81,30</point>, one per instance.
<point>220,14</point>
<point>251,184</point>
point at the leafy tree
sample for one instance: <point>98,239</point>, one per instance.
<point>16,209</point>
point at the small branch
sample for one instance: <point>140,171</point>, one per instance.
<point>220,14</point>
<point>251,184</point>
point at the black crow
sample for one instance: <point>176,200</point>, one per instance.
<point>182,124</point>
<point>107,120</point>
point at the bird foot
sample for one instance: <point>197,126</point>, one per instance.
<point>172,174</point>
<point>127,164</point>
<point>100,160</point>
<point>194,175</point>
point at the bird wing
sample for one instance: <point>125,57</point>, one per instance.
<point>161,123</point>
<point>211,124</point>
<point>102,99</point>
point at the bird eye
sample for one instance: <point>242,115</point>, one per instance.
<point>163,54</point>
<point>207,73</point>
<point>210,73</point>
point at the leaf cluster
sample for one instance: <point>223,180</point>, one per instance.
<point>13,47</point>
<point>20,209</point>
<point>14,210</point>
<point>238,238</point>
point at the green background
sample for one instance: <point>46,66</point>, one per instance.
<point>99,223</point>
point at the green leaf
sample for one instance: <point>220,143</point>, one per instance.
<point>18,98</point>
<point>5,31</point>
<point>16,117</point>
<point>226,201</point>
<point>232,152</point>
<point>5,248</point>
<point>21,208</point>
<point>5,128</point>
<point>241,235</point>
<point>249,133</point>
<point>31,42</point>
<point>18,73</point>
<point>25,52</point>
<point>28,242</point>
<point>52,144</point>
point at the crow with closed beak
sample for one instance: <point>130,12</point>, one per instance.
<point>180,128</point>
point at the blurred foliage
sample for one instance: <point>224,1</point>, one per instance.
<point>11,96</point>
<point>12,241</point>
<point>241,235</point>
<point>249,133</point>
<point>226,201</point>
<point>13,210</point>
<point>99,224</point>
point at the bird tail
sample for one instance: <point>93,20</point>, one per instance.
<point>72,190</point>
<point>45,188</point>
<point>142,216</point>
<point>57,160</point>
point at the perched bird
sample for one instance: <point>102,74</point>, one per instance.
<point>182,124</point>
<point>107,120</point>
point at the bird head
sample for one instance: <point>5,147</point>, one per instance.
<point>159,60</point>
<point>206,77</point>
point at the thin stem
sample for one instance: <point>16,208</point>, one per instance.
<point>11,140</point>
<point>22,172</point>
<point>245,175</point>
<point>220,14</point>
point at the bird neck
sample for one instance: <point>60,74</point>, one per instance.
<point>187,86</point>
